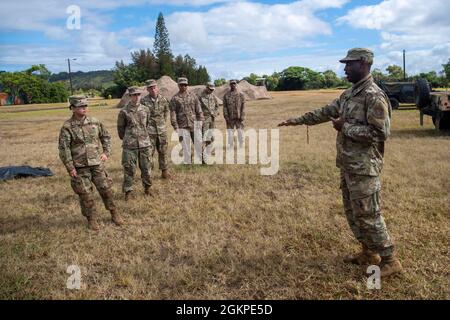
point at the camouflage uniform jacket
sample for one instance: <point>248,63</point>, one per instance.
<point>184,110</point>
<point>79,143</point>
<point>233,106</point>
<point>159,109</point>
<point>132,126</point>
<point>367,112</point>
<point>209,104</point>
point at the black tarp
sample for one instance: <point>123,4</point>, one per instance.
<point>8,173</point>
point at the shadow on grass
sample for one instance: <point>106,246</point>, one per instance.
<point>36,223</point>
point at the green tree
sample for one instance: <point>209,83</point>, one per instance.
<point>161,48</point>
<point>395,72</point>
<point>145,65</point>
<point>378,75</point>
<point>432,77</point>
<point>32,88</point>
<point>331,80</point>
<point>39,70</point>
<point>252,78</point>
<point>300,78</point>
<point>126,75</point>
<point>272,81</point>
<point>220,82</point>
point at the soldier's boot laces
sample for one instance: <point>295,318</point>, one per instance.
<point>93,223</point>
<point>165,174</point>
<point>390,265</point>
<point>365,257</point>
<point>116,218</point>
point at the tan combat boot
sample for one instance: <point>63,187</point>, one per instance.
<point>365,257</point>
<point>127,195</point>
<point>165,174</point>
<point>92,223</point>
<point>116,218</point>
<point>390,265</point>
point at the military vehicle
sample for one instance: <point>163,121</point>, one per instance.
<point>433,103</point>
<point>399,92</point>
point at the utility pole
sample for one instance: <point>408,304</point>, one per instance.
<point>404,65</point>
<point>70,76</point>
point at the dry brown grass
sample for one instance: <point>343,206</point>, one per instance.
<point>224,232</point>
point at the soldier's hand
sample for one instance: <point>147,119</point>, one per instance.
<point>73,173</point>
<point>289,122</point>
<point>103,157</point>
<point>337,123</point>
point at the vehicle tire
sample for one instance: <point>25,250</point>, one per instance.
<point>394,103</point>
<point>422,93</point>
<point>442,121</point>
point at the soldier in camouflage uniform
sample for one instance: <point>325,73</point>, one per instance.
<point>159,109</point>
<point>132,126</point>
<point>234,112</point>
<point>79,151</point>
<point>361,115</point>
<point>210,108</point>
<point>185,109</point>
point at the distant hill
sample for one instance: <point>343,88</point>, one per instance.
<point>86,80</point>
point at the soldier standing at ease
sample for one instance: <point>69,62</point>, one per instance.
<point>132,126</point>
<point>361,116</point>
<point>79,151</point>
<point>159,109</point>
<point>210,108</point>
<point>184,111</point>
<point>234,112</point>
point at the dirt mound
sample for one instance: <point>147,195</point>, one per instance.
<point>168,88</point>
<point>250,91</point>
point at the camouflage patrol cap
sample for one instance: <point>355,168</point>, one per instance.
<point>211,86</point>
<point>356,54</point>
<point>183,81</point>
<point>133,91</point>
<point>78,101</point>
<point>151,83</point>
<point>233,81</point>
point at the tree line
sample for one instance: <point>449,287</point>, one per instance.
<point>302,78</point>
<point>33,86</point>
<point>296,78</point>
<point>395,73</point>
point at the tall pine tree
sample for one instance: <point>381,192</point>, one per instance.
<point>161,48</point>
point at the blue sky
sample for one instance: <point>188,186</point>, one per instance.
<point>231,38</point>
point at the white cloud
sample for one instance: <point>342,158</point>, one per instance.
<point>225,31</point>
<point>249,26</point>
<point>420,27</point>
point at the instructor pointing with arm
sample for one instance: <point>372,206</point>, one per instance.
<point>361,117</point>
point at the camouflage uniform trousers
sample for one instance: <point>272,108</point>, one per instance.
<point>361,197</point>
<point>231,125</point>
<point>160,144</point>
<point>188,136</point>
<point>208,138</point>
<point>130,159</point>
<point>82,186</point>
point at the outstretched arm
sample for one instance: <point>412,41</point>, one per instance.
<point>315,117</point>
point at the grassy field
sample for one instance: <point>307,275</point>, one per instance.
<point>223,232</point>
